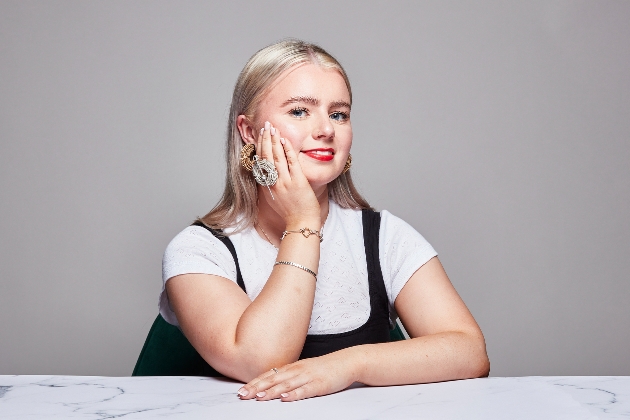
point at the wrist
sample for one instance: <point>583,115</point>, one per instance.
<point>310,223</point>
<point>358,357</point>
<point>306,232</point>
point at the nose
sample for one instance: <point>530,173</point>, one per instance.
<point>323,129</point>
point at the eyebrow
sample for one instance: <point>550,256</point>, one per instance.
<point>313,101</point>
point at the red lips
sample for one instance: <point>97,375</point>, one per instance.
<point>324,154</point>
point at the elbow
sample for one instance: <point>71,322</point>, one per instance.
<point>267,362</point>
<point>255,369</point>
<point>251,366</point>
<point>482,367</point>
<point>479,363</point>
<point>473,360</point>
<point>476,366</point>
<point>245,369</point>
<point>245,364</point>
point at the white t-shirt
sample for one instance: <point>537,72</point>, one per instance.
<point>342,301</point>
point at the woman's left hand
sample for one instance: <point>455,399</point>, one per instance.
<point>305,378</point>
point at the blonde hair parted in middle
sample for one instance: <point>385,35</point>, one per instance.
<point>238,208</point>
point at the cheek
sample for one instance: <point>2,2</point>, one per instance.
<point>349,140</point>
<point>344,139</point>
<point>294,134</point>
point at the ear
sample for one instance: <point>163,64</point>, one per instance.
<point>246,129</point>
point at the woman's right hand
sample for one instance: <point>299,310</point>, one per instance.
<point>293,197</point>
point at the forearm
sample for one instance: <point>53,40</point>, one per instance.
<point>433,358</point>
<point>272,330</point>
<point>449,345</point>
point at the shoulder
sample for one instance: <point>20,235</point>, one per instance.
<point>194,237</point>
<point>393,222</point>
<point>396,230</point>
<point>402,251</point>
<point>197,250</point>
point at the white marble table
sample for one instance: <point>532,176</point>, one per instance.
<point>89,397</point>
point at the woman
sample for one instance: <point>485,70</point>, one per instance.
<point>298,301</point>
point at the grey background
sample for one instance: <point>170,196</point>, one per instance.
<point>500,130</point>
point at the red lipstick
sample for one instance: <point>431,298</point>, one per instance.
<point>323,154</point>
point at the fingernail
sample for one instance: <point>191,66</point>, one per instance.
<point>267,125</point>
<point>273,131</point>
<point>243,392</point>
<point>261,394</point>
<point>281,140</point>
<point>284,395</point>
<point>262,130</point>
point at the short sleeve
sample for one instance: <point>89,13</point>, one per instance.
<point>194,250</point>
<point>402,251</point>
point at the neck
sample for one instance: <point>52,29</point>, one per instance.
<point>272,222</point>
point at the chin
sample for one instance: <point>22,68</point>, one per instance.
<point>320,177</point>
<point>319,185</point>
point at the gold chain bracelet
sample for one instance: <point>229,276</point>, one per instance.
<point>300,266</point>
<point>306,232</point>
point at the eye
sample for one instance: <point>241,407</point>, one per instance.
<point>339,116</point>
<point>299,112</point>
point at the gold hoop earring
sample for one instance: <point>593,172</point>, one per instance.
<point>247,156</point>
<point>348,164</point>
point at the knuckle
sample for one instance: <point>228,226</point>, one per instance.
<point>318,385</point>
<point>300,393</point>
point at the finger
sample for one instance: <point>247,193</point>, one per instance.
<point>308,390</point>
<point>262,383</point>
<point>283,383</point>
<point>279,158</point>
<point>259,141</point>
<point>295,169</point>
<point>266,142</point>
<point>250,389</point>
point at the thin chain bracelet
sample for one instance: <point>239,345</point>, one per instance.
<point>297,266</point>
<point>306,232</point>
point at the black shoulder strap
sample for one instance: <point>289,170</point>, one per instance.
<point>230,246</point>
<point>371,235</point>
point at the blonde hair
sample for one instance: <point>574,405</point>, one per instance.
<point>238,206</point>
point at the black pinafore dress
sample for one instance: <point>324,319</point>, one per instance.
<point>167,352</point>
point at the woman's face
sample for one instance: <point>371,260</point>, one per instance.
<point>310,106</point>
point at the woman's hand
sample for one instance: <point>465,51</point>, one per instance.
<point>294,199</point>
<point>305,378</point>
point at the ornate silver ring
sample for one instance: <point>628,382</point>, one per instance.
<point>265,172</point>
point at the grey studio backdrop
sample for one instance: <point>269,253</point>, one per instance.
<point>499,130</point>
